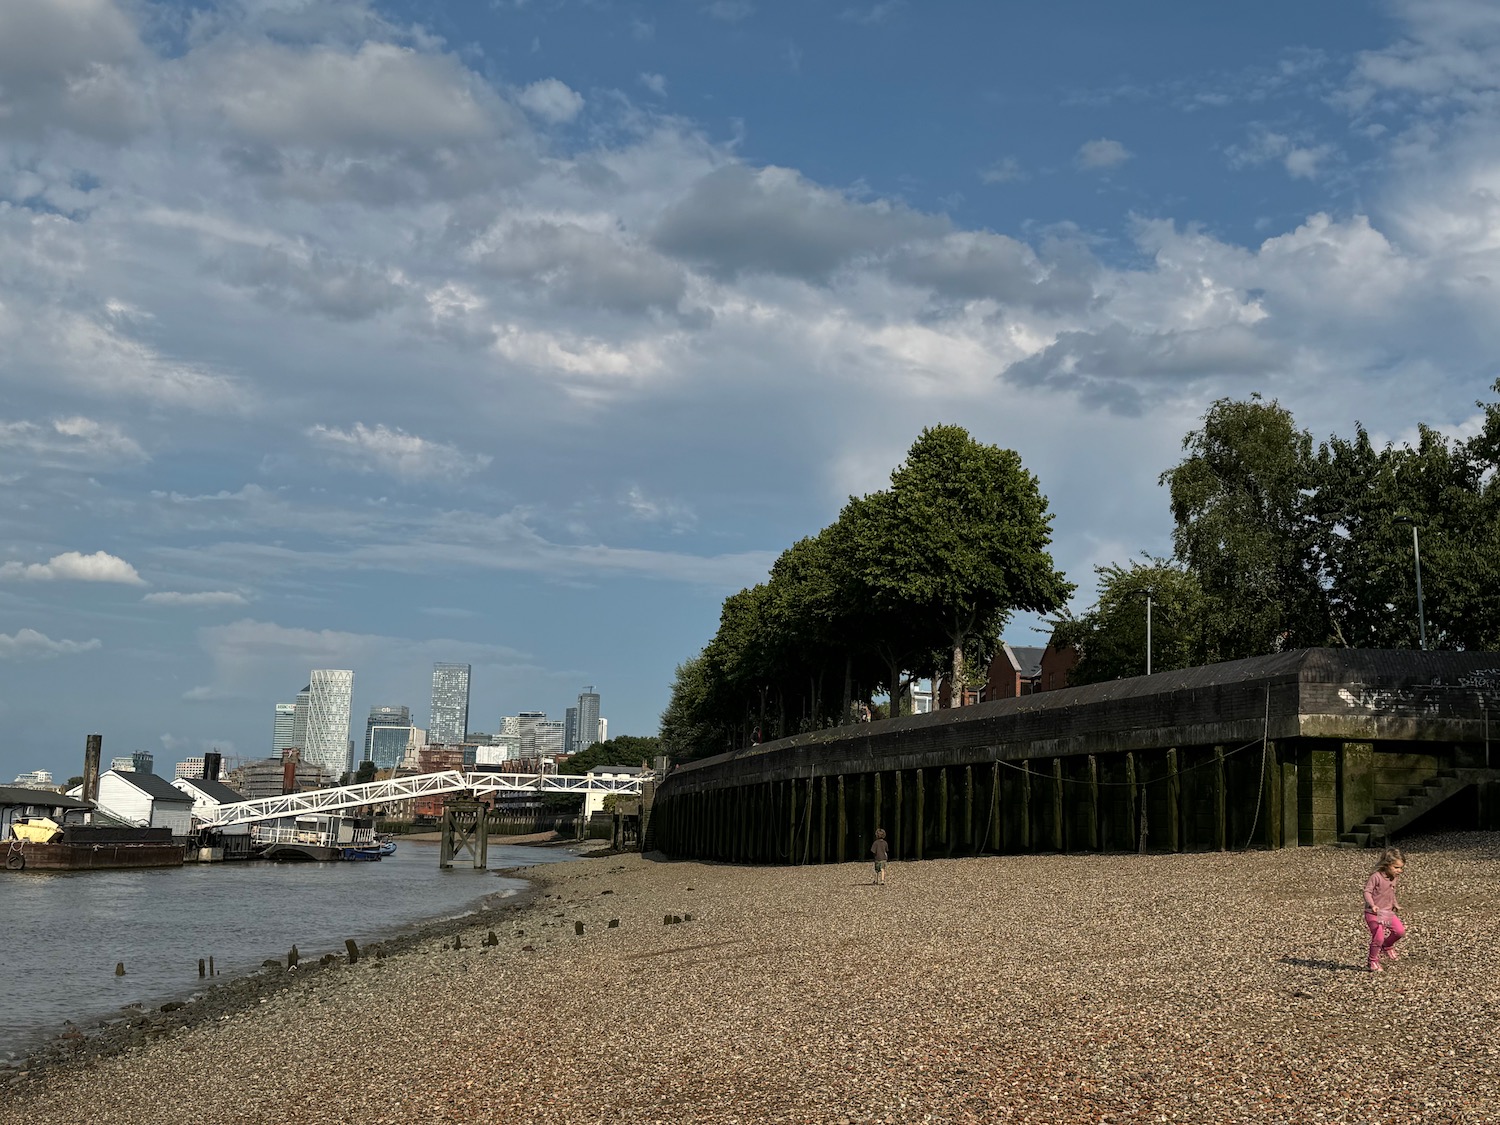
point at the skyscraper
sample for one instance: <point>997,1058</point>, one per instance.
<point>588,717</point>
<point>299,719</point>
<point>570,731</point>
<point>448,724</point>
<point>284,734</point>
<point>384,717</point>
<point>330,694</point>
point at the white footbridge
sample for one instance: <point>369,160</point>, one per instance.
<point>405,788</point>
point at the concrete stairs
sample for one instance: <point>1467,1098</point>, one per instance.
<point>1392,816</point>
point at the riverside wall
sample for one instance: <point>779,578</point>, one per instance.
<point>1296,748</point>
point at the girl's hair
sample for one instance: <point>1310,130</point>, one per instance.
<point>1388,857</point>
<point>880,833</point>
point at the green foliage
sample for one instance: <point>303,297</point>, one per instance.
<point>622,750</point>
<point>1111,637</point>
<point>365,773</point>
<point>904,581</point>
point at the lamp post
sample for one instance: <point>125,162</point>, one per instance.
<point>1148,632</point>
<point>1416,555</point>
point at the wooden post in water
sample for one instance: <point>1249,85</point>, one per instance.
<point>465,829</point>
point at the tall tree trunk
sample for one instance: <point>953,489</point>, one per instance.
<point>848,687</point>
<point>956,695</point>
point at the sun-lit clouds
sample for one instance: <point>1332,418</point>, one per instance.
<point>393,451</point>
<point>1099,155</point>
<point>551,100</point>
<point>200,599</point>
<point>74,566</point>
<point>28,644</point>
<point>1301,160</point>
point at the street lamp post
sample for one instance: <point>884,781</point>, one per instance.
<point>1416,555</point>
<point>1148,634</point>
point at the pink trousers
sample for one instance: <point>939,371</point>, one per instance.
<point>1383,935</point>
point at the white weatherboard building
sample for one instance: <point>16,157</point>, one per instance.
<point>144,800</point>
<point>330,696</point>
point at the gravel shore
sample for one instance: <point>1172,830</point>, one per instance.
<point>1079,988</point>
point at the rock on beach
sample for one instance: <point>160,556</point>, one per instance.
<point>1224,987</point>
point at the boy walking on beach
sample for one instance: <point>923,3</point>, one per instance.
<point>882,852</point>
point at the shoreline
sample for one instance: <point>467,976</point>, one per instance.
<point>1223,987</point>
<point>67,1044</point>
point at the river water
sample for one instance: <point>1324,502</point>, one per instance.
<point>61,933</point>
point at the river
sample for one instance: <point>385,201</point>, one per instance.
<point>64,932</point>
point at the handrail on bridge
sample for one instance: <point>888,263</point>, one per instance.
<point>406,788</point>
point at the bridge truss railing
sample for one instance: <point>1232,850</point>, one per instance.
<point>406,788</point>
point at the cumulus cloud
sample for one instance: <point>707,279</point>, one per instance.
<point>1301,161</point>
<point>73,566</point>
<point>396,452</point>
<point>201,599</point>
<point>656,83</point>
<point>551,100</point>
<point>739,220</point>
<point>28,644</point>
<point>302,279</point>
<point>1094,156</point>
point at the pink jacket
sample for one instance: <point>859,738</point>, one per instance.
<point>1380,895</point>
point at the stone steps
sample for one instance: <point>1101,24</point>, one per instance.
<point>1397,813</point>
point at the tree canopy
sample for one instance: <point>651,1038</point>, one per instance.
<point>907,581</point>
<point>622,750</point>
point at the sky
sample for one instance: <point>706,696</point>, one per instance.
<point>345,334</point>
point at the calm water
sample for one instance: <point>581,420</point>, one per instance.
<point>61,934</point>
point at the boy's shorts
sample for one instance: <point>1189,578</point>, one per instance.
<point>879,866</point>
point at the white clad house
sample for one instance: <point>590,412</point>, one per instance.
<point>594,799</point>
<point>144,800</point>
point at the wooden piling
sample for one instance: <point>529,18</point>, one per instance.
<point>1220,834</point>
<point>843,825</point>
<point>1174,803</point>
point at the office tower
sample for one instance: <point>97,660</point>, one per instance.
<point>122,765</point>
<point>145,761</point>
<point>570,731</point>
<point>189,767</point>
<point>526,725</point>
<point>549,737</point>
<point>330,694</point>
<point>387,745</point>
<point>299,719</point>
<point>384,717</point>
<point>284,733</point>
<point>603,730</point>
<point>448,723</point>
<point>588,717</point>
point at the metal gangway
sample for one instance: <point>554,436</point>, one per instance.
<point>405,788</point>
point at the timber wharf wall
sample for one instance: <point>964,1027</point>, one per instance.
<point>1304,747</point>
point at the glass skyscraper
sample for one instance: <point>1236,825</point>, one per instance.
<point>387,745</point>
<point>330,694</point>
<point>588,717</point>
<point>285,734</point>
<point>448,724</point>
<point>384,717</point>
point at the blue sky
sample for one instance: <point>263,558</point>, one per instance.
<point>362,335</point>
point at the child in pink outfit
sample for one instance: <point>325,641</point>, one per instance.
<point>1381,908</point>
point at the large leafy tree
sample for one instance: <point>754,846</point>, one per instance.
<point>962,538</point>
<point>622,750</point>
<point>1111,636</point>
<point>1246,528</point>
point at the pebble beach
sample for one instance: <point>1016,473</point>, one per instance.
<point>1222,987</point>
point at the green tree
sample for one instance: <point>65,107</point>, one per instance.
<point>365,773</point>
<point>622,750</point>
<point>962,540</point>
<point>1111,636</point>
<point>1246,528</point>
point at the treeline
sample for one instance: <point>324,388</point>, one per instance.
<point>912,581</point>
<point>1281,544</point>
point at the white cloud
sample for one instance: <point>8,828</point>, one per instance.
<point>397,452</point>
<point>74,440</point>
<point>1095,155</point>
<point>1006,170</point>
<point>551,100</point>
<point>197,599</point>
<point>731,11</point>
<point>1301,161</point>
<point>68,63</point>
<point>656,83</point>
<point>72,566</point>
<point>28,644</point>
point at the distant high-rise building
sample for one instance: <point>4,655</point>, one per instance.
<point>588,717</point>
<point>285,733</point>
<point>330,694</point>
<point>299,719</point>
<point>384,717</point>
<point>603,730</point>
<point>189,767</point>
<point>387,745</point>
<point>549,737</point>
<point>36,779</point>
<point>143,761</point>
<point>570,731</point>
<point>526,728</point>
<point>448,723</point>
